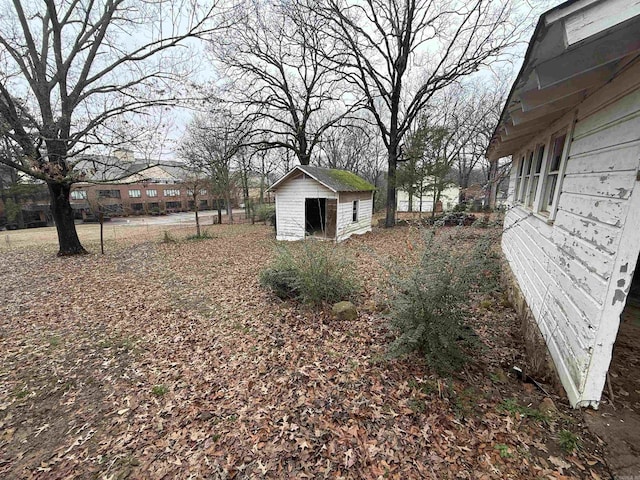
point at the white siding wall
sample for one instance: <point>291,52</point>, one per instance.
<point>290,201</point>
<point>346,225</point>
<point>576,272</point>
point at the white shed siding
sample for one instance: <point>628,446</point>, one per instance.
<point>568,271</point>
<point>346,225</point>
<point>290,205</point>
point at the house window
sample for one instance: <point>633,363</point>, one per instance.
<point>518,178</point>
<point>536,168</point>
<point>108,193</point>
<point>152,192</point>
<point>171,192</point>
<point>135,194</point>
<point>551,181</point>
<point>355,210</point>
<point>79,195</point>
<point>526,177</point>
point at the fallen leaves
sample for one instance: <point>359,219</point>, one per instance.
<point>251,386</point>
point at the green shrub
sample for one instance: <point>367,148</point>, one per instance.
<point>569,441</point>
<point>204,235</point>
<point>485,265</point>
<point>159,390</point>
<point>311,273</point>
<point>168,238</point>
<point>266,212</point>
<point>427,305</point>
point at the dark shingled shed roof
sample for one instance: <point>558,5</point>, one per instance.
<point>333,179</point>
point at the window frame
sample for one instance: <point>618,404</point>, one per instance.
<point>524,183</point>
<point>78,195</point>
<point>171,192</point>
<point>113,193</point>
<point>535,174</point>
<point>535,197</point>
<point>549,210</point>
<point>355,211</point>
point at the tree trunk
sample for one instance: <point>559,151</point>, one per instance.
<point>227,198</point>
<point>390,219</point>
<point>493,184</point>
<point>63,218</point>
<point>196,208</point>
<point>464,185</point>
<point>219,209</point>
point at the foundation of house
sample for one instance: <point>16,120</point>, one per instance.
<point>539,364</point>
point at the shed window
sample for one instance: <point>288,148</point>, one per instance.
<point>551,183</point>
<point>355,210</point>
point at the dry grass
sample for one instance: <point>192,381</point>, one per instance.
<point>90,235</point>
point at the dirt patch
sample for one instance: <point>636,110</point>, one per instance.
<point>617,422</point>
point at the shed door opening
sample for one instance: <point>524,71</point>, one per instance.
<point>320,217</point>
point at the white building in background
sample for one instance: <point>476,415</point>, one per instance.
<point>449,198</point>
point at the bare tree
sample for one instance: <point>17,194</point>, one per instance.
<point>347,147</point>
<point>479,109</point>
<point>196,186</point>
<point>275,57</point>
<point>73,68</point>
<point>399,53</point>
<point>210,145</point>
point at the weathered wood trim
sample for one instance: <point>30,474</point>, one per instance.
<point>628,250</point>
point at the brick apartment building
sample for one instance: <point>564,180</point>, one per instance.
<point>128,186</point>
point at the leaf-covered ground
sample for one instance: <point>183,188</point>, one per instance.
<point>167,360</point>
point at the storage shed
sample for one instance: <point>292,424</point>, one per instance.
<point>572,232</point>
<point>322,203</point>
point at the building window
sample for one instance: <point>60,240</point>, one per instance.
<point>518,178</point>
<point>171,192</point>
<point>174,205</point>
<point>79,195</point>
<point>355,210</point>
<point>551,181</point>
<point>203,191</point>
<point>152,192</point>
<point>526,176</point>
<point>536,168</point>
<point>108,193</point>
<point>135,194</point>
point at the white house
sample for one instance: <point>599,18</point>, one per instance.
<point>572,232</point>
<point>449,198</point>
<point>323,203</point>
